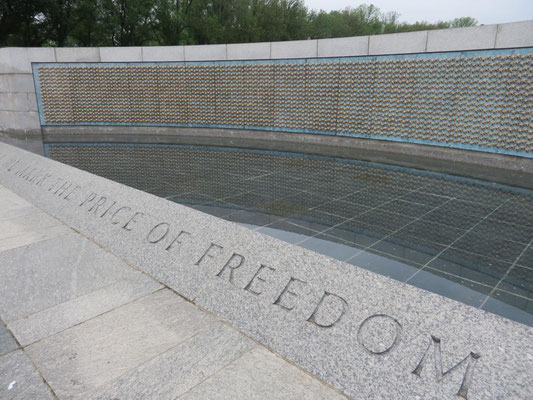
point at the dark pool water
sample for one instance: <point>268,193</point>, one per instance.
<point>464,239</point>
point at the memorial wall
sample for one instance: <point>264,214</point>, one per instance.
<point>479,100</point>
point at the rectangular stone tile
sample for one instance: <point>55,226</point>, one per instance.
<point>514,34</point>
<point>27,238</point>
<point>398,43</point>
<point>248,51</point>
<point>9,200</point>
<point>20,120</point>
<point>17,83</point>
<point>339,47</point>
<point>205,52</point>
<point>7,343</point>
<point>163,53</point>
<point>14,102</point>
<point>259,375</point>
<point>48,273</point>
<point>96,352</point>
<point>19,380</point>
<point>293,49</point>
<point>120,54</point>
<point>72,312</point>
<point>470,38</point>
<point>19,59</point>
<point>22,224</point>
<point>184,366</point>
<point>77,54</point>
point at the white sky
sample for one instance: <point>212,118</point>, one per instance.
<point>485,11</point>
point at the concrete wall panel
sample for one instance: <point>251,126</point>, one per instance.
<point>14,102</point>
<point>294,49</point>
<point>349,46</point>
<point>17,83</point>
<point>119,54</point>
<point>205,53</point>
<point>473,38</point>
<point>398,43</point>
<point>19,59</point>
<point>77,54</point>
<point>163,53</point>
<point>15,120</point>
<point>249,51</point>
<point>515,34</point>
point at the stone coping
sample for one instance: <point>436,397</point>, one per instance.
<point>496,36</point>
<point>367,335</point>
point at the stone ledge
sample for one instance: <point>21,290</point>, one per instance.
<point>367,335</point>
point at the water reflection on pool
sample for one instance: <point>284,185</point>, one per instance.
<point>464,239</point>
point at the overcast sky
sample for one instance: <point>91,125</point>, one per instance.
<point>485,11</point>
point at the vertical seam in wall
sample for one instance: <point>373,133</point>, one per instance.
<point>316,55</point>
<point>368,45</point>
<point>427,38</point>
<point>142,54</point>
<point>496,35</point>
<point>55,55</point>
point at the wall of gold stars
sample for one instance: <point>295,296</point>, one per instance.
<point>477,100</point>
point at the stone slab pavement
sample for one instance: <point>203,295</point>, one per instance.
<point>77,322</point>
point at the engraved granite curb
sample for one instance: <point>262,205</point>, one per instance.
<point>367,335</point>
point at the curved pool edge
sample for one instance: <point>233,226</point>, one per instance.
<point>363,333</point>
<point>498,168</point>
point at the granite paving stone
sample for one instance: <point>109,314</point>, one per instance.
<point>96,352</point>
<point>184,366</point>
<point>30,237</point>
<point>19,380</point>
<point>260,375</point>
<point>10,201</point>
<point>22,226</point>
<point>47,273</point>
<point>7,343</point>
<point>57,318</point>
<point>35,222</point>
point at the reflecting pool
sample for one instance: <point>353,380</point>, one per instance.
<point>464,239</point>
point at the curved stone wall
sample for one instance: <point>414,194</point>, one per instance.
<point>478,100</point>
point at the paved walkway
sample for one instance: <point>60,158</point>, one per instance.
<point>78,322</point>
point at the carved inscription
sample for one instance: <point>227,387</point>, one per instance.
<point>378,334</point>
<point>469,362</point>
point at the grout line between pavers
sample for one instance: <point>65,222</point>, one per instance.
<point>456,240</point>
<point>506,273</point>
